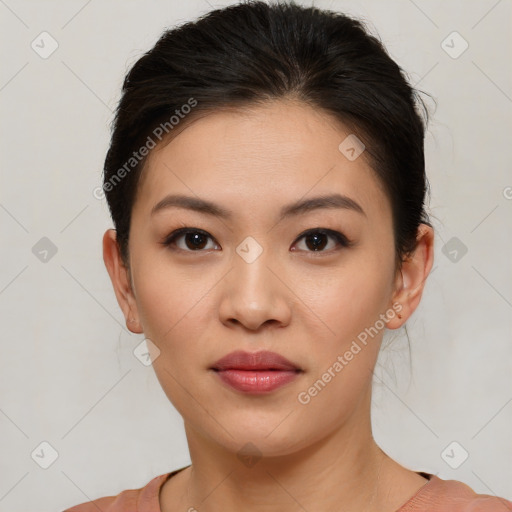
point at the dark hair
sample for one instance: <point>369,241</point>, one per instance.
<point>254,52</point>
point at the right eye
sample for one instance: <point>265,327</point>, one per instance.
<point>193,240</point>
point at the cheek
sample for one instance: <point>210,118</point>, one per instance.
<point>172,309</point>
<point>164,296</point>
<point>348,300</point>
<point>175,308</point>
<point>350,304</point>
<point>345,354</point>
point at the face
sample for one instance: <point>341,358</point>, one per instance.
<point>310,285</point>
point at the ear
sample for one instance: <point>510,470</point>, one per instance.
<point>121,281</point>
<point>410,281</point>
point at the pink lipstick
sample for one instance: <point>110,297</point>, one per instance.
<point>257,372</point>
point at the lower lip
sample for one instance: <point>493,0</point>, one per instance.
<point>256,381</point>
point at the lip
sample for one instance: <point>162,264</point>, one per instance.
<point>255,372</point>
<point>263,360</point>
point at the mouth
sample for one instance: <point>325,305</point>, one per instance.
<point>255,373</point>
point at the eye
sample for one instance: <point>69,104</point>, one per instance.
<point>317,239</point>
<point>194,240</point>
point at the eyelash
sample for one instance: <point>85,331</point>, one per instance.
<point>340,238</point>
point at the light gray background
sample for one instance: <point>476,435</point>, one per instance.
<point>68,375</point>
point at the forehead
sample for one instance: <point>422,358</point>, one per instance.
<point>259,157</point>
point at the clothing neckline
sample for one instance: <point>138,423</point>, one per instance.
<point>424,488</point>
<point>150,497</point>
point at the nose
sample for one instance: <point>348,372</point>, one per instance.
<point>253,295</point>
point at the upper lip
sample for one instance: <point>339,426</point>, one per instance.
<point>263,360</point>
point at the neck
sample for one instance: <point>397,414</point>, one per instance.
<point>341,472</point>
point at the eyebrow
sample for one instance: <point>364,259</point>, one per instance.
<point>300,207</point>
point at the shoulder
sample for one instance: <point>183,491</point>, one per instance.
<point>124,501</point>
<point>454,496</point>
<point>130,500</point>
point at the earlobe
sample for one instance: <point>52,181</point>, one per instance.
<point>119,276</point>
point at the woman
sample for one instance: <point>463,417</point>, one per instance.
<point>267,184</point>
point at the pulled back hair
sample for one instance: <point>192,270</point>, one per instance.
<point>250,53</point>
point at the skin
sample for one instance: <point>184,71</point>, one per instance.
<point>308,306</point>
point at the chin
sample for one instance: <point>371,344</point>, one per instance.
<point>260,439</point>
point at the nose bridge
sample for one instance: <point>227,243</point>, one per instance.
<point>251,276</point>
<point>253,294</point>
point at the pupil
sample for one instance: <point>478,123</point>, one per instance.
<point>317,244</point>
<point>197,240</point>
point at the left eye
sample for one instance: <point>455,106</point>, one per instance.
<point>315,240</point>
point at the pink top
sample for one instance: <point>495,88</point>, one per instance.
<point>437,495</point>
